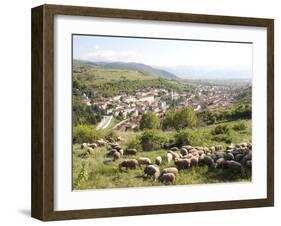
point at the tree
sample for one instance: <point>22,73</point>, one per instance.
<point>168,121</point>
<point>149,120</point>
<point>185,118</point>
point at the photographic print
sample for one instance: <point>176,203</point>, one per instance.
<point>150,112</point>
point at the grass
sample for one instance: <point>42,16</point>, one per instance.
<point>104,173</point>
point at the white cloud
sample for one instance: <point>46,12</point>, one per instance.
<point>110,55</point>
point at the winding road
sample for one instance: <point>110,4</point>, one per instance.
<point>104,122</point>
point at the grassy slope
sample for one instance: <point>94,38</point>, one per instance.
<point>104,173</point>
<point>109,82</point>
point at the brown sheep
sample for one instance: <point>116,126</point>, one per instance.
<point>110,153</point>
<point>129,164</point>
<point>220,162</point>
<point>144,161</point>
<point>229,156</point>
<point>183,151</point>
<point>121,151</point>
<point>182,163</point>
<point>194,161</point>
<point>152,171</point>
<point>158,160</point>
<point>173,170</point>
<point>167,178</point>
<point>130,151</point>
<point>234,167</point>
<point>116,156</point>
<point>208,161</point>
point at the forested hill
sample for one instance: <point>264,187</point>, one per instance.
<point>98,81</point>
<point>142,68</point>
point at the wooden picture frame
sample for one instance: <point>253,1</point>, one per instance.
<point>42,203</point>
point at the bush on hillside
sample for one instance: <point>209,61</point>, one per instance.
<point>85,133</point>
<point>152,140</point>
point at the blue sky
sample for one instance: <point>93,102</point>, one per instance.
<point>164,53</point>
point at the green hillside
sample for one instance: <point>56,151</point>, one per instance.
<point>105,82</point>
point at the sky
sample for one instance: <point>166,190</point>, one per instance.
<point>181,56</point>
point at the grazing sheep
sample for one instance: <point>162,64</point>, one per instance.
<point>129,164</point>
<point>174,149</point>
<point>130,151</point>
<point>229,156</point>
<point>182,163</point>
<point>152,171</point>
<point>200,152</point>
<point>220,154</point>
<point>84,146</point>
<point>188,156</point>
<point>183,151</point>
<point>90,150</point>
<point>199,148</point>
<point>117,147</point>
<point>220,162</point>
<point>116,156</point>
<point>158,160</point>
<point>144,161</point>
<point>173,170</point>
<point>194,161</point>
<point>169,157</point>
<point>212,149</point>
<point>249,164</point>
<point>238,157</point>
<point>187,147</point>
<point>121,151</point>
<point>174,154</point>
<point>206,150</point>
<point>246,158</point>
<point>167,178</point>
<point>208,161</point>
<point>234,167</point>
<point>111,153</point>
<point>101,142</point>
<point>193,150</point>
<point>93,145</point>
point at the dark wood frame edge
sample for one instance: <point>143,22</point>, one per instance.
<point>42,197</point>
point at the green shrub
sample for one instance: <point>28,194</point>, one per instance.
<point>220,129</point>
<point>85,133</point>
<point>149,120</point>
<point>239,126</point>
<point>134,143</point>
<point>190,137</point>
<point>152,140</point>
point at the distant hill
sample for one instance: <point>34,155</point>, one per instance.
<point>99,81</point>
<point>143,68</point>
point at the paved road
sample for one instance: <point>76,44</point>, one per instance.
<point>104,122</point>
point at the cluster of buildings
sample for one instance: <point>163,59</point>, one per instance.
<point>130,108</point>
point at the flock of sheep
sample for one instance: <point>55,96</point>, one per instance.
<point>235,159</point>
